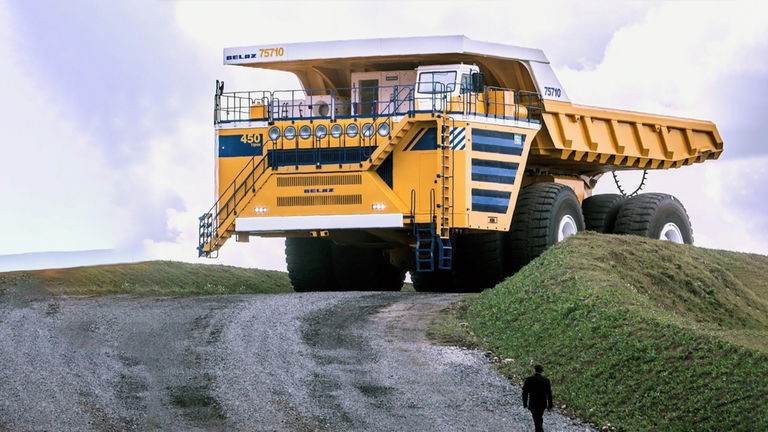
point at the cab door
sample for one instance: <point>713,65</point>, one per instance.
<point>369,97</point>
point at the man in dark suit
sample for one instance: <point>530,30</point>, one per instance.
<point>537,395</point>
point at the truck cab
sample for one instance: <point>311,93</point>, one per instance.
<point>438,85</point>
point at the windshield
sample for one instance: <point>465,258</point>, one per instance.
<point>437,82</point>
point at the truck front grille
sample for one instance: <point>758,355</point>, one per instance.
<point>317,200</point>
<point>320,180</point>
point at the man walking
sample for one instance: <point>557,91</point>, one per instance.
<point>537,395</point>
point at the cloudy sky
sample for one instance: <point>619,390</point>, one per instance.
<point>108,141</point>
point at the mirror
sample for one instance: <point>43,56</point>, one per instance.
<point>477,82</point>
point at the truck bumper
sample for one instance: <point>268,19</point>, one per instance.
<point>267,224</point>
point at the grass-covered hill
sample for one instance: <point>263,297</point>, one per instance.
<point>636,333</point>
<point>151,278</point>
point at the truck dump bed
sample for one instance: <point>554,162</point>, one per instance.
<point>592,140</point>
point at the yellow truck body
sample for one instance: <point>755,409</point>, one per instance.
<point>391,138</point>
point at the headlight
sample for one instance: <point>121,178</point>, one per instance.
<point>384,129</point>
<point>321,131</point>
<point>305,132</point>
<point>352,130</point>
<point>378,206</point>
<point>367,130</point>
<point>260,209</point>
<point>289,133</point>
<point>274,133</point>
<point>336,130</point>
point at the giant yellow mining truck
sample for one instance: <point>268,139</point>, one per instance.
<point>457,160</point>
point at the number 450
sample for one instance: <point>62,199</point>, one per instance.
<point>253,139</point>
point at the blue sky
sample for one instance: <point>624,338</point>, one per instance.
<point>108,135</point>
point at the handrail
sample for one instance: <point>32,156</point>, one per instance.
<point>300,104</point>
<point>218,208</point>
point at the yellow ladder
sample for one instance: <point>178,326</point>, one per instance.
<point>445,174</point>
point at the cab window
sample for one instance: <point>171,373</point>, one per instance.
<point>466,86</point>
<point>437,82</point>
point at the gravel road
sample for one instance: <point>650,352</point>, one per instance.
<point>287,362</point>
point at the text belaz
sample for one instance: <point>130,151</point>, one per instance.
<point>241,56</point>
<point>323,190</point>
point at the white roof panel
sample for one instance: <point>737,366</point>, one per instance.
<point>278,53</point>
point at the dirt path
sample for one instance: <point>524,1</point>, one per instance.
<point>291,362</point>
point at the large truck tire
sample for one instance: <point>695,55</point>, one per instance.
<point>435,281</point>
<point>546,213</point>
<point>478,263</point>
<point>365,269</point>
<point>600,212</point>
<point>310,267</point>
<point>655,215</point>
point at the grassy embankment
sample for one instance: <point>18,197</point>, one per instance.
<point>639,334</point>
<point>151,278</point>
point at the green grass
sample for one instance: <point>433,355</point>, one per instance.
<point>640,334</point>
<point>151,278</point>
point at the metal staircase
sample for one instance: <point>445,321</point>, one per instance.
<point>399,132</point>
<point>425,247</point>
<point>218,224</point>
<point>429,246</point>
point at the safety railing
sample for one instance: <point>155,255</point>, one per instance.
<point>398,100</point>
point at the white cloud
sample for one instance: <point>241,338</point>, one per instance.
<point>547,25</point>
<point>55,185</point>
<point>702,62</point>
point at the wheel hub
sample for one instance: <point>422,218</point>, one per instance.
<point>671,232</point>
<point>566,228</point>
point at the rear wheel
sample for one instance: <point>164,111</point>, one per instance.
<point>546,213</point>
<point>309,264</point>
<point>655,215</point>
<point>600,212</point>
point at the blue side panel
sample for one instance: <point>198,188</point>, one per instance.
<point>415,137</point>
<point>491,201</point>
<point>494,171</point>
<point>428,141</point>
<point>233,146</point>
<point>497,142</point>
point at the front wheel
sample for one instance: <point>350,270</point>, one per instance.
<point>546,213</point>
<point>309,264</point>
<point>478,263</point>
<point>365,269</point>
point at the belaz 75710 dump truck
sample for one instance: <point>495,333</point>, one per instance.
<point>457,160</point>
